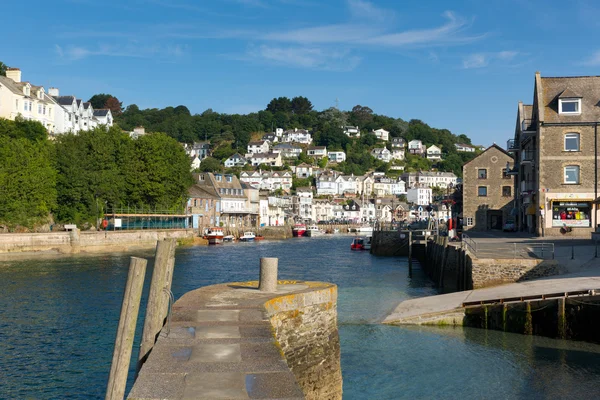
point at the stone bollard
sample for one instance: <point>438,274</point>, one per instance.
<point>268,274</point>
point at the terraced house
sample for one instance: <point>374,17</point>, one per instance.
<point>556,156</point>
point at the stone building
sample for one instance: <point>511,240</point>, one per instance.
<point>557,151</point>
<point>487,190</point>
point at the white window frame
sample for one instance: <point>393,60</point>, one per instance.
<point>469,221</point>
<point>572,135</point>
<point>577,180</point>
<point>569,100</point>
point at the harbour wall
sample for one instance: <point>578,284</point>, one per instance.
<point>453,267</point>
<point>234,341</point>
<point>75,241</point>
<point>305,326</point>
<point>572,318</point>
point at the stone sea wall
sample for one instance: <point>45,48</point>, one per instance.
<point>454,268</point>
<point>489,272</point>
<point>305,326</point>
<point>86,242</point>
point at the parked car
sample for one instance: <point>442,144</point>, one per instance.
<point>509,226</point>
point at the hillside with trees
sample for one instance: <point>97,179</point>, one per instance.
<point>230,133</point>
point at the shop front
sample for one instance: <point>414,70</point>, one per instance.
<point>572,214</point>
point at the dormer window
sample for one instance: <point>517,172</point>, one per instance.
<point>569,106</point>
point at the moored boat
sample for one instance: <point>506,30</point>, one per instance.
<point>228,238</point>
<point>248,237</point>
<point>365,229</point>
<point>313,230</point>
<point>367,242</point>
<point>298,230</point>
<point>214,235</point>
<point>358,243</point>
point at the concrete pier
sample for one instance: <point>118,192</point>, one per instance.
<point>449,309</point>
<point>233,341</point>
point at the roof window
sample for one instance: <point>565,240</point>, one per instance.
<point>569,106</point>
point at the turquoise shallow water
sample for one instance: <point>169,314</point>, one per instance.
<point>58,318</point>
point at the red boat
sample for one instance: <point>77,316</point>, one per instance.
<point>298,230</point>
<point>358,243</point>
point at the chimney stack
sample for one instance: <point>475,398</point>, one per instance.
<point>14,74</point>
<point>53,92</point>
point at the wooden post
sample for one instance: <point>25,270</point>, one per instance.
<point>126,331</point>
<point>158,297</point>
<point>409,253</point>
<point>445,252</point>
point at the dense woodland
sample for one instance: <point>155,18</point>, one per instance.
<point>76,177</point>
<point>230,133</point>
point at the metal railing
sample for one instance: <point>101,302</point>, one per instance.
<point>542,251</point>
<point>512,144</point>
<point>469,243</point>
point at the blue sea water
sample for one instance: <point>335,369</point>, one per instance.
<point>58,318</point>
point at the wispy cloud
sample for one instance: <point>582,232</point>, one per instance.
<point>74,53</point>
<point>366,10</point>
<point>449,33</point>
<point>302,57</point>
<point>593,60</point>
<point>481,60</point>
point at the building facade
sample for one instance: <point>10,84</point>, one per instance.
<point>487,191</point>
<point>556,154</point>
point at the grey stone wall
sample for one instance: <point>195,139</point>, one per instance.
<point>86,242</point>
<point>490,272</point>
<point>305,327</point>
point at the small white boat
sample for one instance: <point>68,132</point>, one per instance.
<point>228,238</point>
<point>248,237</point>
<point>365,229</point>
<point>367,242</point>
<point>313,230</point>
<point>214,235</point>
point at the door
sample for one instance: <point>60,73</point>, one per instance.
<point>495,220</point>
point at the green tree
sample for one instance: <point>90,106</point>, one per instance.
<point>301,105</point>
<point>323,162</point>
<point>280,104</point>
<point>210,164</point>
<point>27,177</point>
<point>361,116</point>
<point>3,68</point>
<point>158,173</point>
<point>99,100</point>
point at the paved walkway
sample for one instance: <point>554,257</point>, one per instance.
<point>416,311</point>
<point>219,346</point>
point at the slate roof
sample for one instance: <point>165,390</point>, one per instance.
<point>550,89</point>
<point>101,113</point>
<point>10,85</point>
<point>65,100</point>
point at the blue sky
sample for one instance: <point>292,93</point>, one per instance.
<point>461,65</point>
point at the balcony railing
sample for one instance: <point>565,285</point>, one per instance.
<point>512,145</point>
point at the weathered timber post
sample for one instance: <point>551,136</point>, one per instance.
<point>268,274</point>
<point>562,323</point>
<point>409,253</point>
<point>126,330</point>
<point>444,261</point>
<point>158,297</point>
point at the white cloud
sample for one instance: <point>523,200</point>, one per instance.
<point>74,53</point>
<point>367,10</point>
<point>303,57</point>
<point>446,34</point>
<point>481,60</point>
